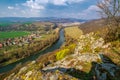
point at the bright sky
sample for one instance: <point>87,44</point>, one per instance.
<point>81,9</point>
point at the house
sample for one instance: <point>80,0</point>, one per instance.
<point>1,45</point>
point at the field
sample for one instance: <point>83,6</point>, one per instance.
<point>5,24</point>
<point>12,34</point>
<point>73,32</point>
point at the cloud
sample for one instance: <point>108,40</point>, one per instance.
<point>91,8</point>
<point>74,1</point>
<point>57,2</point>
<point>54,2</point>
<point>65,8</point>
<point>27,9</point>
<point>33,5</point>
<point>10,7</point>
<point>89,13</point>
<point>16,7</point>
<point>64,2</point>
<point>34,8</point>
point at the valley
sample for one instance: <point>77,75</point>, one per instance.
<point>60,40</point>
<point>75,55</point>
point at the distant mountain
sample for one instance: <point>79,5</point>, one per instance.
<point>44,19</point>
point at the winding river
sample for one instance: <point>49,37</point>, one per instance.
<point>35,56</point>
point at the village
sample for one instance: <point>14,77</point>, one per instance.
<point>20,41</point>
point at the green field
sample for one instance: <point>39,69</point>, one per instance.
<point>13,34</point>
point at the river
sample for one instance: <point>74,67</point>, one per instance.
<point>35,56</point>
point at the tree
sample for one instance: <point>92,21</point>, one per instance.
<point>110,10</point>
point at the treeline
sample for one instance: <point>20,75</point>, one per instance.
<point>23,51</point>
<point>16,26</point>
<point>26,26</point>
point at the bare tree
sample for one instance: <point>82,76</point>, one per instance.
<point>110,10</point>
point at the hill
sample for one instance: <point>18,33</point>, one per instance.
<point>43,19</point>
<point>93,26</point>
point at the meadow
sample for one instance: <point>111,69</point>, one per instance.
<point>12,34</point>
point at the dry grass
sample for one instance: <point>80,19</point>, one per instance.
<point>73,32</point>
<point>93,26</point>
<point>114,52</point>
<point>42,23</point>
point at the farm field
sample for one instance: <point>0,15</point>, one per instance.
<point>13,34</point>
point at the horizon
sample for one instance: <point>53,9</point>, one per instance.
<point>41,17</point>
<point>44,19</point>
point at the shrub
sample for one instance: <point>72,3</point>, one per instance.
<point>112,34</point>
<point>61,54</point>
<point>65,51</point>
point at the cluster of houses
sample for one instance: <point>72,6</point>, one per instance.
<point>20,40</point>
<point>70,24</point>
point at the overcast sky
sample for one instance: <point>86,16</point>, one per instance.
<point>82,9</point>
